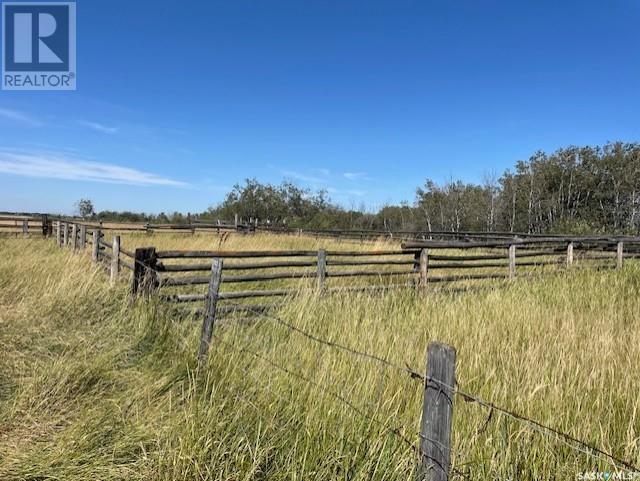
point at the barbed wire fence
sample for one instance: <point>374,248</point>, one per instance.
<point>431,467</point>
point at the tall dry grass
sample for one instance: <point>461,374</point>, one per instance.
<point>92,387</point>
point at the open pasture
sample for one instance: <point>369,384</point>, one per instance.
<point>94,387</point>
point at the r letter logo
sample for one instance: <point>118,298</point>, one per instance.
<point>39,46</point>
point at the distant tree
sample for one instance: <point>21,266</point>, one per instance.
<point>572,190</point>
<point>84,207</point>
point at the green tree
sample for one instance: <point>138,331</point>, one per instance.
<point>84,207</point>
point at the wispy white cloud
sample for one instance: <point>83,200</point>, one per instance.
<point>61,166</point>
<point>355,175</point>
<point>345,193</point>
<point>99,127</point>
<point>325,172</point>
<point>20,117</point>
<point>303,177</point>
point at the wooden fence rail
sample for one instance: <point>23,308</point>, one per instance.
<point>247,278</point>
<point>26,226</point>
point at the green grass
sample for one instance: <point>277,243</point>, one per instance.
<point>93,387</point>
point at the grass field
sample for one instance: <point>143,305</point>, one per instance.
<point>92,387</point>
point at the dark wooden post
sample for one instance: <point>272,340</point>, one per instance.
<point>210,309</point>
<point>437,413</point>
<point>570,254</point>
<point>25,227</point>
<point>512,261</point>
<point>74,237</point>
<point>322,268</point>
<point>83,237</point>
<point>45,225</point>
<point>95,246</point>
<point>115,259</point>
<point>144,276</point>
<point>619,255</point>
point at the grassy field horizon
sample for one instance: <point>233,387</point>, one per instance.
<point>94,387</point>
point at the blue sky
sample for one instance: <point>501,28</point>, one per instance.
<point>177,101</point>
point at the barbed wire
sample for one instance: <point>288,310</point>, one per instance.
<point>322,388</point>
<point>372,357</point>
<point>396,431</point>
<point>571,441</point>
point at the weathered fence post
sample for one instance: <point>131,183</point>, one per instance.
<point>58,233</point>
<point>45,225</point>
<point>25,228</point>
<point>437,413</point>
<point>424,267</point>
<point>115,259</point>
<point>65,234</point>
<point>570,254</point>
<point>322,268</point>
<point>83,237</point>
<point>512,261</point>
<point>144,266</point>
<point>74,237</point>
<point>619,255</point>
<point>95,246</point>
<point>210,309</point>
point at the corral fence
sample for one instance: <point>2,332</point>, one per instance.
<point>13,224</point>
<point>248,281</point>
<point>26,225</point>
<point>415,264</point>
<point>364,235</point>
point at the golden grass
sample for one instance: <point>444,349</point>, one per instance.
<point>94,388</point>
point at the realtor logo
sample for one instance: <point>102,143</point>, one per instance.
<point>39,46</point>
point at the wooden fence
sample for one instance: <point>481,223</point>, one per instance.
<point>253,281</point>
<point>14,224</point>
<point>232,276</point>
<point>17,225</point>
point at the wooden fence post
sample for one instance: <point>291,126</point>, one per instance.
<point>437,413</point>
<point>322,268</point>
<point>570,254</point>
<point>512,261</point>
<point>25,228</point>
<point>45,225</point>
<point>74,237</point>
<point>619,255</point>
<point>210,309</point>
<point>424,267</point>
<point>65,234</point>
<point>83,237</point>
<point>144,264</point>
<point>58,233</point>
<point>96,246</point>
<point>115,259</point>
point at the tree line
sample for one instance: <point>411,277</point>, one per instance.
<point>572,190</point>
